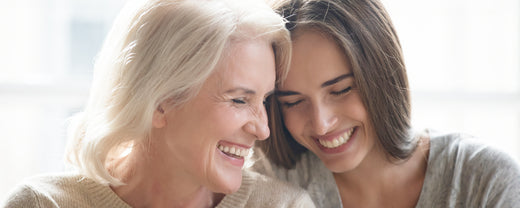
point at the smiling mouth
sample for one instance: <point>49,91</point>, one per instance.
<point>337,141</point>
<point>233,151</point>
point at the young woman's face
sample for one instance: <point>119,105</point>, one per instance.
<point>321,105</point>
<point>208,137</point>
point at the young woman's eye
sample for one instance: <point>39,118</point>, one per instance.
<point>341,91</point>
<point>238,101</point>
<point>291,104</point>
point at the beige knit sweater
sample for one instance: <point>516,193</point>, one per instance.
<point>73,190</point>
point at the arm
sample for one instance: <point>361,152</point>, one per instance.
<point>22,196</point>
<point>504,181</point>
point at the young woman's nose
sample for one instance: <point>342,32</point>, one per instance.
<point>323,119</point>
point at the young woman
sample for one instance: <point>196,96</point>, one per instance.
<point>175,108</point>
<point>341,128</point>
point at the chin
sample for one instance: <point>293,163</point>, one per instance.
<point>228,182</point>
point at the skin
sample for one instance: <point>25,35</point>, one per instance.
<point>180,165</point>
<point>320,101</point>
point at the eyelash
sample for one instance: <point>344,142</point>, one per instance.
<point>238,101</point>
<point>341,92</point>
<point>242,101</point>
<point>288,104</point>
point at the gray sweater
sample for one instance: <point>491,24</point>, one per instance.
<point>461,172</point>
<point>73,190</point>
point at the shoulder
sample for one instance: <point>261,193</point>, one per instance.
<point>258,190</point>
<point>463,149</point>
<point>487,174</point>
<point>40,191</point>
<point>63,190</point>
<point>22,196</point>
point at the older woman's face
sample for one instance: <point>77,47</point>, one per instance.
<point>321,105</point>
<point>207,138</point>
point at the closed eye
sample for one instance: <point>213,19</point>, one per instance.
<point>291,104</point>
<point>238,101</point>
<point>346,90</point>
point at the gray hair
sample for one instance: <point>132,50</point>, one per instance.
<point>161,51</point>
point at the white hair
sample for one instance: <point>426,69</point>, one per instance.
<point>157,51</point>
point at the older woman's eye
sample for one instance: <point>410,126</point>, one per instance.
<point>238,101</point>
<point>346,90</point>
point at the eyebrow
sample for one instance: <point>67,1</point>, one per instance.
<point>281,93</point>
<point>245,90</point>
<point>336,80</point>
<point>285,93</point>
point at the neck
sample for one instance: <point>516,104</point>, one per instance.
<point>148,183</point>
<point>379,182</point>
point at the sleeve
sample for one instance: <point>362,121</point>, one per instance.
<point>26,195</point>
<point>21,196</point>
<point>504,181</point>
<point>491,178</point>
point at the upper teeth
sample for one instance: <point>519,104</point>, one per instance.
<point>337,141</point>
<point>239,152</point>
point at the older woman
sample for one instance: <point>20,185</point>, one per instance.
<point>175,108</point>
<point>341,121</point>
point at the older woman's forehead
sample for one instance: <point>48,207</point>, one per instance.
<point>248,65</point>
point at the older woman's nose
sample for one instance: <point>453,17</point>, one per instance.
<point>258,126</point>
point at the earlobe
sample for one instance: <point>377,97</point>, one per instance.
<point>159,117</point>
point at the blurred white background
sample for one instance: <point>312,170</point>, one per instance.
<point>462,58</point>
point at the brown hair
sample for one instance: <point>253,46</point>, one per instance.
<point>364,31</point>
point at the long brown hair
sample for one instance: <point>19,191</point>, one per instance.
<point>364,31</point>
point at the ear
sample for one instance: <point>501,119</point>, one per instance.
<point>159,117</point>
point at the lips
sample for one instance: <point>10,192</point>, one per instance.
<point>234,153</point>
<point>338,141</point>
